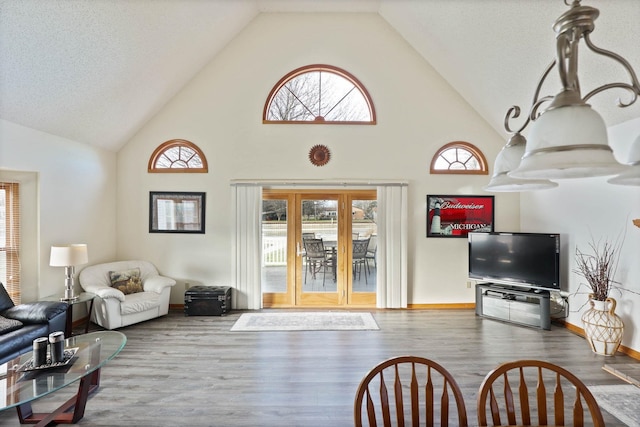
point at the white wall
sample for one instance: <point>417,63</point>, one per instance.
<point>581,208</point>
<point>220,110</point>
<point>68,195</point>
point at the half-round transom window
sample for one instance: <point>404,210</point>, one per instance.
<point>459,157</point>
<point>319,94</point>
<point>178,155</point>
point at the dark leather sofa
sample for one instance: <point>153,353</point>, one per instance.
<point>21,324</point>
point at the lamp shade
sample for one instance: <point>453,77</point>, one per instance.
<point>68,255</point>
<point>507,160</point>
<point>567,142</point>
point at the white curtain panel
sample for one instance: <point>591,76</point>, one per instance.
<point>246,246</point>
<point>392,247</point>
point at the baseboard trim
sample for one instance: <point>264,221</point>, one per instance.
<point>634,354</point>
<point>454,306</point>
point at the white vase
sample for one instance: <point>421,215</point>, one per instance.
<point>602,327</point>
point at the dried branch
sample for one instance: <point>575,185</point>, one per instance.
<point>600,265</point>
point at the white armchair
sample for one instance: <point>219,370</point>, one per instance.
<point>113,308</point>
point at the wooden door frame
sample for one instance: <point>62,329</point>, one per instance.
<point>344,296</point>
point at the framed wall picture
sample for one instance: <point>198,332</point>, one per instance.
<point>176,212</point>
<point>456,216</point>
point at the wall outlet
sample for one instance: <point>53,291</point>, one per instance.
<point>468,284</point>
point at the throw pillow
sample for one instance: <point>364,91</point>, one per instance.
<point>5,299</point>
<point>8,325</point>
<point>126,281</point>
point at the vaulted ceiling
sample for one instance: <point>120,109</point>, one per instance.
<point>96,71</point>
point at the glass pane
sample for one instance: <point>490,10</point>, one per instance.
<point>463,155</point>
<point>319,94</point>
<point>473,164</point>
<point>450,155</point>
<point>441,164</point>
<point>364,245</point>
<point>274,246</point>
<point>319,230</point>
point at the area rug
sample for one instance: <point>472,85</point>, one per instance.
<point>622,401</point>
<point>305,321</point>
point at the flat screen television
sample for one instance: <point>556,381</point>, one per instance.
<point>518,259</point>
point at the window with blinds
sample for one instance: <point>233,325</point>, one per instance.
<point>10,239</point>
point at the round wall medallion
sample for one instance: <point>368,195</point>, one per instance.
<point>319,155</point>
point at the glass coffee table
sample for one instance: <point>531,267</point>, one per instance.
<point>20,383</point>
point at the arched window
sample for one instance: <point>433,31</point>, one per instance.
<point>178,156</point>
<point>459,157</point>
<point>319,94</point>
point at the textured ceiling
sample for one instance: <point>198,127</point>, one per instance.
<point>96,71</point>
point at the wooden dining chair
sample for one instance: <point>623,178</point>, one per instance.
<point>430,390</point>
<point>526,390</point>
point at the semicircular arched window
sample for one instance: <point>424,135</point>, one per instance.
<point>319,94</point>
<point>459,157</point>
<point>178,156</point>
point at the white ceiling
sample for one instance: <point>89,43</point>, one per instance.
<point>96,71</point>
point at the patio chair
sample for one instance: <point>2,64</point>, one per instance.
<point>372,250</point>
<point>359,257</point>
<point>316,258</point>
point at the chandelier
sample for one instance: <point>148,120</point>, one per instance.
<point>568,138</point>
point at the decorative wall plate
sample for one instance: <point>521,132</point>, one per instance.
<point>319,155</point>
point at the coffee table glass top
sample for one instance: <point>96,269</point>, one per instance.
<point>18,386</point>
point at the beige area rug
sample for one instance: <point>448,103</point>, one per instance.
<point>622,401</point>
<point>305,321</point>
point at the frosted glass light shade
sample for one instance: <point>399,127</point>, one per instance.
<point>567,142</point>
<point>631,176</point>
<point>507,160</point>
<point>68,255</point>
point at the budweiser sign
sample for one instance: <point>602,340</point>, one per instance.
<point>456,216</point>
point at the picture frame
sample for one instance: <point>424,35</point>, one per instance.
<point>177,212</point>
<point>457,215</point>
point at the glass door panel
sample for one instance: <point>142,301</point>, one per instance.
<point>364,240</point>
<point>276,250</point>
<point>364,232</point>
<point>319,221</point>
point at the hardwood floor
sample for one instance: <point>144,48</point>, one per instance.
<point>192,371</point>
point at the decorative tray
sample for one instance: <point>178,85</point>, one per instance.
<point>68,357</point>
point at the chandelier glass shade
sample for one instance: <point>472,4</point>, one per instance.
<point>631,176</point>
<point>568,138</point>
<point>568,142</point>
<point>507,160</point>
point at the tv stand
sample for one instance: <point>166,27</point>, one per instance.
<point>520,306</point>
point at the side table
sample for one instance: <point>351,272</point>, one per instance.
<point>82,298</point>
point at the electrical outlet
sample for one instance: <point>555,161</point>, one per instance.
<point>468,284</point>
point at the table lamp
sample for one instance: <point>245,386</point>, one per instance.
<point>68,256</point>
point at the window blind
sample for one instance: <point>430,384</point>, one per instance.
<point>10,239</point>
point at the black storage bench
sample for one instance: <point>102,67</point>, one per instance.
<point>207,301</point>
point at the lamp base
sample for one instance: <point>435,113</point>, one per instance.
<point>69,295</point>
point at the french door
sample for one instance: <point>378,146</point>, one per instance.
<point>319,248</point>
